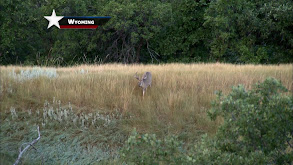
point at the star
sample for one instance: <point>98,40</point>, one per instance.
<point>53,19</point>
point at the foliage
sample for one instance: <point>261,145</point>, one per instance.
<point>258,122</point>
<point>132,26</point>
<point>22,32</point>
<point>207,152</point>
<point>147,149</point>
<point>183,39</point>
<point>251,31</point>
<point>148,31</point>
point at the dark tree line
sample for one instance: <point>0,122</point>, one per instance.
<point>234,31</point>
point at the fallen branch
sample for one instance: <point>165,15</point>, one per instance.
<point>21,152</point>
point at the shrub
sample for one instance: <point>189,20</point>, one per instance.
<point>34,73</point>
<point>257,121</point>
<point>147,149</point>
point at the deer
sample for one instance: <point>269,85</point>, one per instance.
<point>145,81</point>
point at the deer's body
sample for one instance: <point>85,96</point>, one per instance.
<point>145,81</point>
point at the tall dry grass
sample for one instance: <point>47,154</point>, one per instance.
<point>176,102</point>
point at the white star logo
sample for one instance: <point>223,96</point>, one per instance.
<point>53,19</point>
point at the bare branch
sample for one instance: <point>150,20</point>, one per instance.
<point>21,152</point>
<point>289,144</point>
<point>152,53</point>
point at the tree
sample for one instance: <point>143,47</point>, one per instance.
<point>251,31</point>
<point>132,27</point>
<point>183,39</point>
<point>21,37</point>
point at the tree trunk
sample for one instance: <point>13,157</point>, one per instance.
<point>138,50</point>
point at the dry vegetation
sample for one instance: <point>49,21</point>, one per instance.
<point>176,102</point>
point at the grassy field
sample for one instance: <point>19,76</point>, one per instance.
<point>105,101</point>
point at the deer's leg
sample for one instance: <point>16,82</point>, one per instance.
<point>143,91</point>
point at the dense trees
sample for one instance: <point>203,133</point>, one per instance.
<point>149,31</point>
<point>251,31</point>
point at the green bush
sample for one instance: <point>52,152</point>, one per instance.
<point>258,121</point>
<point>147,149</point>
